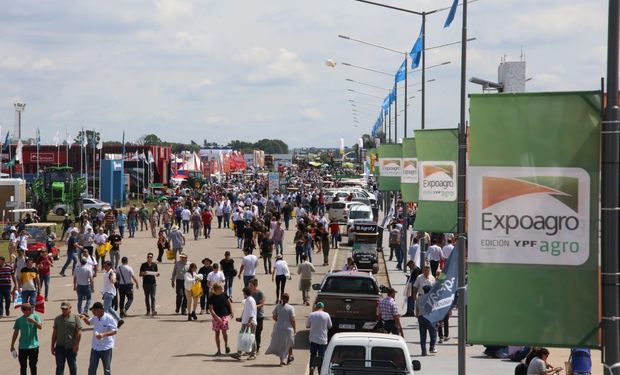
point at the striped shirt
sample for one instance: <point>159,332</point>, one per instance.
<point>388,309</point>
<point>6,273</point>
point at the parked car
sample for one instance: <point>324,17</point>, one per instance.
<point>339,211</point>
<point>367,353</point>
<point>38,240</point>
<point>90,204</point>
<point>351,299</point>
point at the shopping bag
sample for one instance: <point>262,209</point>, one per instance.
<point>170,254</point>
<point>232,226</point>
<point>40,304</point>
<point>245,341</point>
<point>17,300</point>
<point>101,250</point>
<point>197,289</point>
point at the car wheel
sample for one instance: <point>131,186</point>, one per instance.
<point>60,212</point>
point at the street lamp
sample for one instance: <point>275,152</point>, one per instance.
<point>19,108</point>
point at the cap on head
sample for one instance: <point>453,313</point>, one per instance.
<point>320,305</point>
<point>65,305</point>
<point>183,255</point>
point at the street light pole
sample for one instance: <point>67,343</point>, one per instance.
<point>19,108</point>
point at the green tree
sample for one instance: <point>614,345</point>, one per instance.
<point>92,137</point>
<point>150,140</point>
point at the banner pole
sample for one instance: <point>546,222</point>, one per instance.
<point>610,169</point>
<point>462,242</point>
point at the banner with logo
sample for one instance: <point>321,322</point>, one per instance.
<point>533,219</point>
<point>390,166</point>
<point>437,152</point>
<point>409,176</point>
<point>435,304</point>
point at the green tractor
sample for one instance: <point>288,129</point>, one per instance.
<point>195,180</point>
<point>57,185</point>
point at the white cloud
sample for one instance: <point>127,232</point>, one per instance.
<point>216,120</point>
<point>169,11</point>
<point>283,65</point>
<point>312,114</point>
<point>63,115</point>
<point>42,64</point>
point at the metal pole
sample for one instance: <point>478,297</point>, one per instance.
<point>423,110</point>
<point>395,114</point>
<point>610,202</point>
<point>405,120</point>
<point>462,242</point>
<point>389,123</point>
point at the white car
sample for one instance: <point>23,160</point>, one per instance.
<point>367,352</point>
<point>339,211</point>
<point>358,214</point>
<point>90,204</point>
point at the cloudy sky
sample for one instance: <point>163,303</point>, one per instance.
<point>249,69</point>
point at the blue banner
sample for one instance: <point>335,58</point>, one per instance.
<point>435,304</point>
<point>416,51</point>
<point>451,14</point>
<point>401,74</point>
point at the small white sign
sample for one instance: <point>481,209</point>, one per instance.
<point>390,167</point>
<point>409,171</point>
<point>437,181</point>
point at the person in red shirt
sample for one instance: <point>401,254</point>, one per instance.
<point>207,216</point>
<point>334,230</point>
<point>44,264</point>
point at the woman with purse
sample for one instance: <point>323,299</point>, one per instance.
<point>193,290</point>
<point>283,335</point>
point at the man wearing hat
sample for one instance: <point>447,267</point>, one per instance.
<point>66,338</point>
<point>177,241</point>
<point>319,324</point>
<point>104,330</point>
<point>389,314</point>
<point>178,282</point>
<point>26,327</point>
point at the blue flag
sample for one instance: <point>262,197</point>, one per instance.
<point>393,95</point>
<point>435,304</point>
<point>6,144</point>
<point>386,104</point>
<point>451,13</point>
<point>416,51</point>
<point>402,72</point>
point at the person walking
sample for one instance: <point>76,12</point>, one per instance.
<point>228,268</point>
<point>305,270</point>
<point>29,282</point>
<point>125,285</point>
<point>108,291</point>
<point>389,314</point>
<point>280,273</point>
<point>423,285</point>
<point>177,241</point>
<point>121,221</point>
<point>323,238</point>
<point>207,218</point>
<point>259,298</point>
<point>196,221</point>
<point>319,324</point>
<point>8,284</point>
<point>83,285</point>
<point>434,255</point>
<point>205,270</point>
<point>100,238</point>
<point>44,266</point>
<point>267,252</point>
<point>154,220</point>
<point>248,322</point>
<point>104,332</point>
<point>278,238</point>
<point>66,337</point>
<point>115,239</point>
<point>186,216</point>
<point>27,327</point>
<point>284,330</point>
<point>149,272</point>
<point>248,267</point>
<point>221,312</point>
<point>143,214</point>
<point>178,280</point>
<point>162,245</point>
<point>191,277</point>
<point>72,250</point>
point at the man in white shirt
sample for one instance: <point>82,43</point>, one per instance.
<point>126,280</point>
<point>447,250</point>
<point>109,291</point>
<point>215,276</point>
<point>83,283</point>
<point>186,215</point>
<point>100,238</point>
<point>104,330</point>
<point>434,255</point>
<point>319,324</point>
<point>248,321</point>
<point>248,267</point>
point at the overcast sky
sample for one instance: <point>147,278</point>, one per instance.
<point>252,69</point>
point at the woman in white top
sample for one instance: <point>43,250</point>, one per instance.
<point>192,277</point>
<point>280,273</point>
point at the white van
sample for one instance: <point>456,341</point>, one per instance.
<point>367,352</point>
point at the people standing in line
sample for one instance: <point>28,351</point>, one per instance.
<point>177,241</point>
<point>259,298</point>
<point>125,285</point>
<point>305,270</point>
<point>319,324</point>
<point>191,277</point>
<point>249,262</point>
<point>83,285</point>
<point>73,247</point>
<point>66,337</point>
<point>29,282</point>
<point>389,314</point>
<point>104,331</point>
<point>205,270</point>
<point>8,284</point>
<point>284,330</point>
<point>26,327</point>
<point>228,268</point>
<point>280,273</point>
<point>248,322</point>
<point>149,272</point>
<point>109,291</point>
<point>221,312</point>
<point>115,240</point>
<point>178,279</point>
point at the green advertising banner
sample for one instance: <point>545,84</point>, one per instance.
<point>533,219</point>
<point>409,176</point>
<point>390,165</point>
<point>437,151</point>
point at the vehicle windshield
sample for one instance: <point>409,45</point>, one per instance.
<point>355,285</point>
<point>337,206</point>
<point>359,214</point>
<point>38,234</point>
